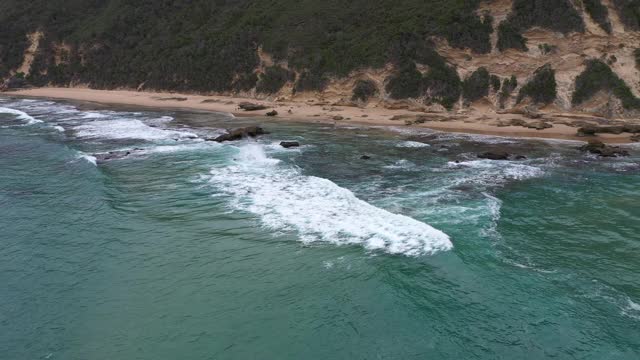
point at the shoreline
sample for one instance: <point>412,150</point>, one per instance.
<point>478,123</point>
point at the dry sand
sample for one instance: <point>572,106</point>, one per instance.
<point>475,122</point>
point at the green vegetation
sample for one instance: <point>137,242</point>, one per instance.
<point>273,79</point>
<point>311,81</point>
<point>542,88</point>
<point>509,37</point>
<point>629,11</point>
<point>599,13</point>
<point>245,82</point>
<point>556,15</point>
<point>547,49</point>
<point>405,83</point>
<point>508,85</point>
<point>476,86</point>
<point>598,76</point>
<point>442,85</point>
<point>364,90</point>
<point>636,54</point>
<point>495,83</point>
<point>204,45</point>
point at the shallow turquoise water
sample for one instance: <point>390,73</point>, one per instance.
<point>194,250</point>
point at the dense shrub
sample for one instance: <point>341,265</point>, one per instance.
<point>207,45</point>
<point>476,86</point>
<point>495,83</point>
<point>442,85</point>
<point>469,31</point>
<point>273,79</point>
<point>636,54</point>
<point>364,90</point>
<point>245,82</point>
<point>556,15</point>
<point>405,83</point>
<point>599,13</point>
<point>547,49</point>
<point>509,37</point>
<point>508,85</point>
<point>542,88</point>
<point>311,81</point>
<point>598,76</point>
<point>629,11</point>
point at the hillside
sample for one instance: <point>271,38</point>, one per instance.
<point>431,55</point>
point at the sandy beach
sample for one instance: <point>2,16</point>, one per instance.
<point>485,122</point>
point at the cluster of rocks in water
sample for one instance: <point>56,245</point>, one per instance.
<point>239,133</point>
<point>500,155</point>
<point>601,149</point>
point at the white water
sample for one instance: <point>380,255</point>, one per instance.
<point>127,129</point>
<point>318,209</point>
<point>20,114</point>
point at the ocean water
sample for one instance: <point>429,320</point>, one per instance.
<point>187,249</point>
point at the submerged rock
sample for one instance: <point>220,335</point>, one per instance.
<point>601,149</point>
<point>240,133</point>
<point>289,144</point>
<point>495,155</point>
<point>114,155</point>
<point>365,157</point>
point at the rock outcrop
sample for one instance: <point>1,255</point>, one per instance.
<point>240,133</point>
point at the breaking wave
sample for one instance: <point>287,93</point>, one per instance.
<point>318,209</point>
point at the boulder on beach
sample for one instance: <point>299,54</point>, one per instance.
<point>601,149</point>
<point>249,106</point>
<point>272,113</point>
<point>240,133</point>
<point>289,144</point>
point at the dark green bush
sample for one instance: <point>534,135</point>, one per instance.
<point>442,85</point>
<point>495,83</point>
<point>476,86</point>
<point>636,54</point>
<point>599,13</point>
<point>311,81</point>
<point>204,45</point>
<point>556,15</point>
<point>273,79</point>
<point>364,90</point>
<point>598,76</point>
<point>405,83</point>
<point>629,11</point>
<point>547,49</point>
<point>508,85</point>
<point>245,82</point>
<point>542,88</point>
<point>509,37</point>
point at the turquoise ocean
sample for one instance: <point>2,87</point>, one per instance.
<point>189,249</point>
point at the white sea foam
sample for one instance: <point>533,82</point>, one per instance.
<point>492,172</point>
<point>127,129</point>
<point>412,144</point>
<point>20,114</point>
<point>94,115</point>
<point>88,158</point>
<point>401,165</point>
<point>318,209</point>
<point>59,128</point>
